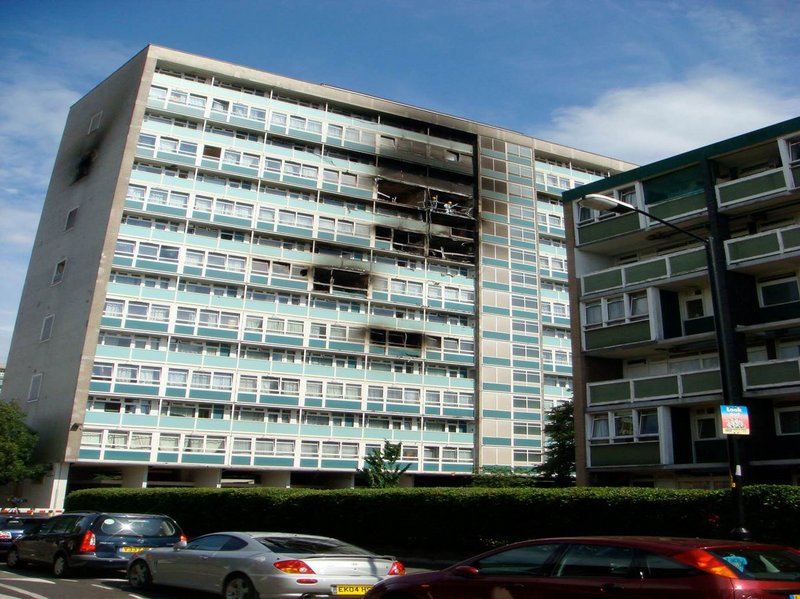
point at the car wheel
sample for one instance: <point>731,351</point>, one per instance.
<point>12,559</point>
<point>239,587</point>
<point>60,566</point>
<point>139,576</point>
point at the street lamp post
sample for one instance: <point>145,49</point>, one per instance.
<point>725,336</point>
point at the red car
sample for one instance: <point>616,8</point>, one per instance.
<point>610,567</point>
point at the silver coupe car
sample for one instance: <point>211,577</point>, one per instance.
<point>264,565</point>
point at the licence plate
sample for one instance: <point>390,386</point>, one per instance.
<point>351,589</point>
<point>133,549</point>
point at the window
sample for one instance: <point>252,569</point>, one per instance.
<point>595,561</point>
<point>72,216</point>
<point>617,309</point>
<point>58,272</point>
<point>47,327</point>
<point>528,561</point>
<point>779,291</point>
<point>623,426</point>
<point>788,420</point>
<point>694,306</point>
<point>35,387</point>
<point>705,424</point>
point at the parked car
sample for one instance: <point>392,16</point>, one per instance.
<point>264,565</point>
<point>636,567</point>
<point>92,539</point>
<point>12,526</point>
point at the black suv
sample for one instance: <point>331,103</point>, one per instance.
<point>12,526</point>
<point>92,539</point>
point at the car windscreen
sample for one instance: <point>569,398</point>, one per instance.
<point>761,564</point>
<point>20,523</point>
<point>310,546</point>
<point>125,526</point>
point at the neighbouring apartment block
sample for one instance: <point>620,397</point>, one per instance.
<point>648,388</point>
<point>245,279</point>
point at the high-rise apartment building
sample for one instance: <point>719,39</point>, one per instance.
<point>648,389</point>
<point>241,278</point>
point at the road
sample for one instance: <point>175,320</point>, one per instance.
<point>32,583</point>
<point>36,583</point>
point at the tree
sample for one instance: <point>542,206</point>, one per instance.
<point>381,467</point>
<point>559,459</point>
<point>17,442</point>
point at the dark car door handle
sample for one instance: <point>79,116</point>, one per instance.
<point>611,587</point>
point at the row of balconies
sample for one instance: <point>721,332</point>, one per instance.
<point>730,195</point>
<point>167,423</point>
<point>757,377</point>
<point>89,455</point>
<point>417,147</point>
<point>774,245</point>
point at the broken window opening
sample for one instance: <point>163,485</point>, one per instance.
<point>345,282</point>
<point>400,193</point>
<point>443,204</point>
<point>448,248</point>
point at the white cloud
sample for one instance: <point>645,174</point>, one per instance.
<point>647,123</point>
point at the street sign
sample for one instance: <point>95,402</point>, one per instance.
<point>735,420</point>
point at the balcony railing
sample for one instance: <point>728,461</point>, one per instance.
<point>776,244</point>
<point>677,385</point>
<point>661,268</point>
<point>752,187</point>
<point>771,374</point>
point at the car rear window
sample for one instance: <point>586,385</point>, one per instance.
<point>139,527</point>
<point>19,523</point>
<point>761,564</point>
<point>308,545</point>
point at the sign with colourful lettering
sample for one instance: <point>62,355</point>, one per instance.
<point>735,420</point>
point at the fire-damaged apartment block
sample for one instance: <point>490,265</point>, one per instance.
<point>245,279</point>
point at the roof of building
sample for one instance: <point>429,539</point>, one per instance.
<point>685,159</point>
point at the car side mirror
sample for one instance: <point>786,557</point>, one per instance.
<point>179,545</point>
<point>466,571</point>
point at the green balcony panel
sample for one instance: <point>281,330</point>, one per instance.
<point>753,247</point>
<point>678,206</point>
<point>608,228</point>
<point>687,262</point>
<point>634,332</point>
<point>89,454</point>
<point>791,238</point>
<point>127,456</point>
<point>340,464</point>
<point>695,326</point>
<point>625,454</point>
<point>706,452</point>
<point>456,467</point>
<point>769,182</point>
<point>134,389</point>
<point>645,271</point>
<point>600,393</point>
<point>772,374</point>
<point>707,381</point>
<point>600,281</point>
<point>267,461</point>
<point>661,386</point>
<point>201,458</point>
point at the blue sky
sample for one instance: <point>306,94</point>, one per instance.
<point>637,80</point>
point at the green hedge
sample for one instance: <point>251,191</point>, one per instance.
<point>458,522</point>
